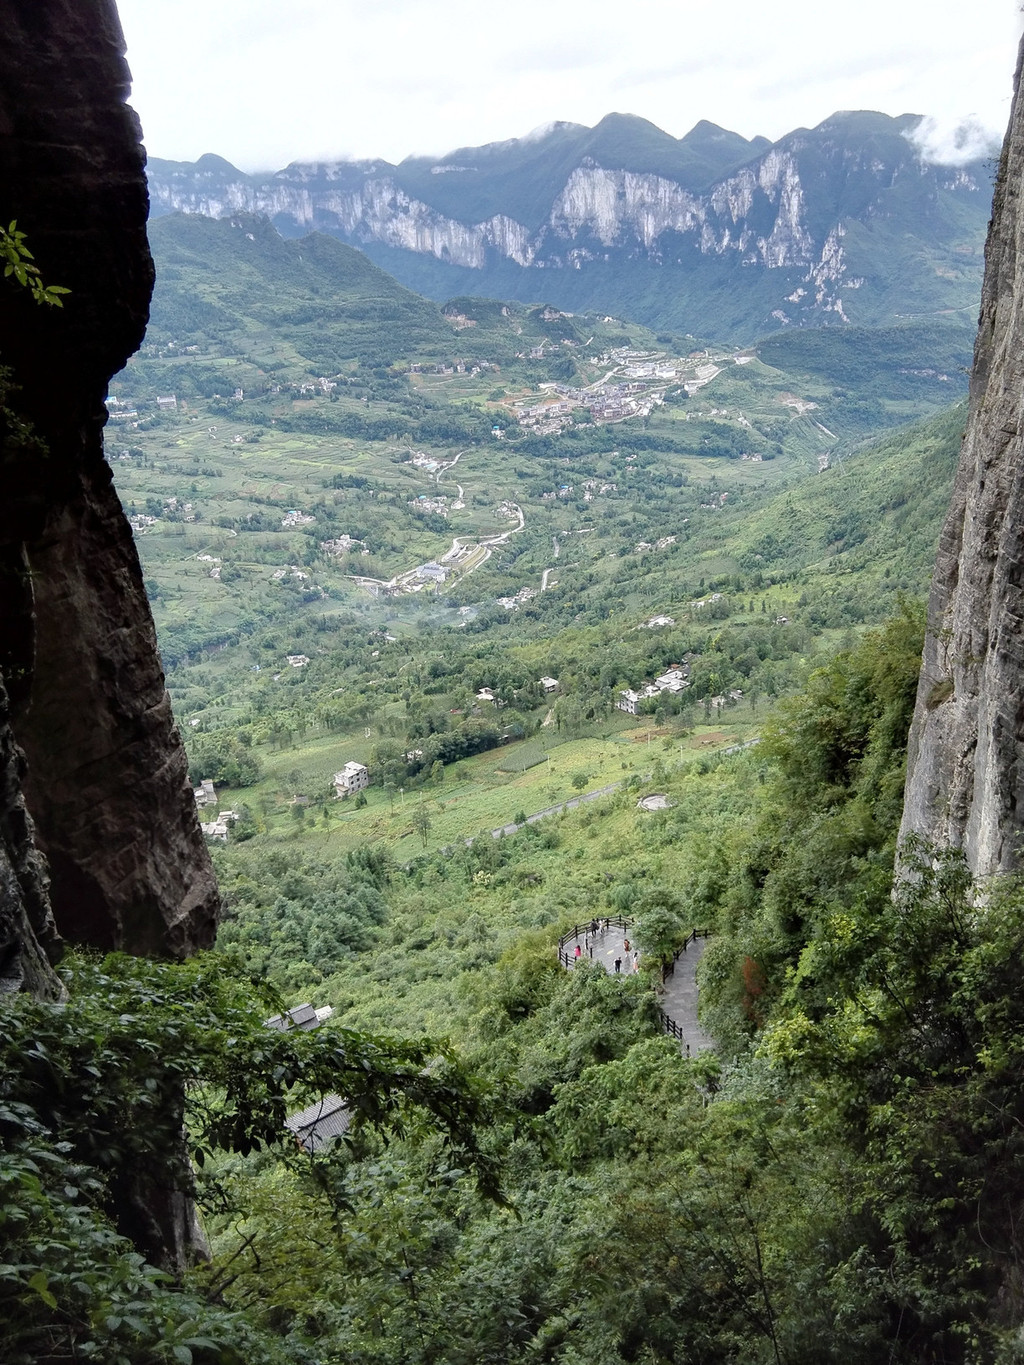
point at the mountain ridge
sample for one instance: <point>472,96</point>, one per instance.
<point>844,222</point>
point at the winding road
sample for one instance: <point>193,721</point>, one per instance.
<point>455,557</point>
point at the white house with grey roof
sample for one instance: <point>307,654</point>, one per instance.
<point>352,778</point>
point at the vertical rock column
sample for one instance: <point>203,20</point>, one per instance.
<point>965,780</point>
<point>28,937</point>
<point>107,780</point>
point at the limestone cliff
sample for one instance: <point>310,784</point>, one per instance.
<point>806,230</point>
<point>106,778</point>
<point>965,783</point>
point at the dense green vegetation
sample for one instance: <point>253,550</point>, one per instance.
<point>836,1183</point>
<point>753,592</point>
<point>631,518</point>
<point>94,1096</point>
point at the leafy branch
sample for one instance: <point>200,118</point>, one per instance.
<point>19,262</point>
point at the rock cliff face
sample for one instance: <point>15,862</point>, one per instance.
<point>779,217</point>
<point>965,783</point>
<point>28,935</point>
<point>106,780</point>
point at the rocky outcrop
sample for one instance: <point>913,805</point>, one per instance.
<point>107,782</point>
<point>965,782</point>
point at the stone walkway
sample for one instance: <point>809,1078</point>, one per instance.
<point>680,999</point>
<point>678,996</point>
<point>604,947</point>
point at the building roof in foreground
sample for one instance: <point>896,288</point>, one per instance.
<point>320,1123</point>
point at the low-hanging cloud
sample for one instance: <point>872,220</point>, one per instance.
<point>264,84</point>
<point>943,142</point>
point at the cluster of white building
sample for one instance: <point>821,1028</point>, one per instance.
<point>673,680</point>
<point>548,685</point>
<point>432,573</point>
<point>219,826</point>
<point>340,546</point>
<point>425,504</point>
<point>515,602</point>
<point>322,385</point>
<point>661,544</point>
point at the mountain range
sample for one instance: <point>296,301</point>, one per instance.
<point>710,233</point>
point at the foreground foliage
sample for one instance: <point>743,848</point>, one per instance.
<point>838,1183</point>
<point>104,1098</point>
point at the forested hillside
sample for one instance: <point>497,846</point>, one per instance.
<point>847,1155</point>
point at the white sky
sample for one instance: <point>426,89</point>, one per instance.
<point>263,83</point>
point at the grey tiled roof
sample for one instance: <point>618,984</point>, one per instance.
<point>302,1016</point>
<point>326,1119</point>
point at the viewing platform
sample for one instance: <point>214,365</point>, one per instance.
<point>677,993</point>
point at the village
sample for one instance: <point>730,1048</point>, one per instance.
<point>633,385</point>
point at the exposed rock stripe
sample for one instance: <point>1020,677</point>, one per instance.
<point>965,783</point>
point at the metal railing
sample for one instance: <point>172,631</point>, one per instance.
<point>670,1027</point>
<point>691,937</point>
<point>586,933</point>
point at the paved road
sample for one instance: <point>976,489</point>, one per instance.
<point>557,810</point>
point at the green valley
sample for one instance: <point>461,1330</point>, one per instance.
<point>536,885</point>
<point>381,532</point>
<point>340,564</point>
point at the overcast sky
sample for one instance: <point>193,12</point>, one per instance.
<point>264,83</point>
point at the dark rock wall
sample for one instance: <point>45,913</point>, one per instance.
<point>965,781</point>
<point>107,781</point>
<point>28,936</point>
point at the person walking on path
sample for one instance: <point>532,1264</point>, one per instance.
<point>578,953</point>
<point>618,965</point>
